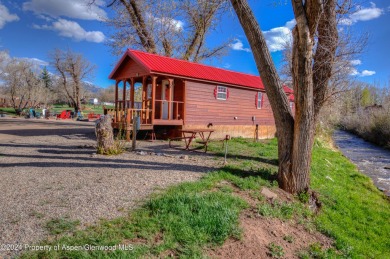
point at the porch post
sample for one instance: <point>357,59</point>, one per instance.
<point>116,101</point>
<point>143,114</point>
<point>144,92</point>
<point>132,92</point>
<point>124,95</point>
<point>184,102</point>
<point>170,98</point>
<point>154,79</point>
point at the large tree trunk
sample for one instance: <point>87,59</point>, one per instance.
<point>105,135</point>
<point>295,135</point>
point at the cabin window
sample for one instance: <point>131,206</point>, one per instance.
<point>259,101</point>
<point>222,92</point>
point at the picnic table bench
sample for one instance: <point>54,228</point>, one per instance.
<point>189,135</point>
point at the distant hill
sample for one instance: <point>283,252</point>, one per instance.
<point>92,88</point>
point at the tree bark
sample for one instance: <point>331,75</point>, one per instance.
<point>295,134</point>
<point>105,135</point>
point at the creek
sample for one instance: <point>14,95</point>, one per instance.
<point>370,159</point>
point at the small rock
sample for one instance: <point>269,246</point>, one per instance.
<point>160,154</point>
<point>152,153</point>
<point>330,178</point>
<point>141,153</point>
<point>185,157</point>
<point>268,194</point>
<point>167,155</point>
<point>93,155</point>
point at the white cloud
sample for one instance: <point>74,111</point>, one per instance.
<point>176,25</point>
<point>363,14</point>
<point>355,72</point>
<point>5,16</point>
<point>78,9</point>
<point>291,24</point>
<point>36,61</point>
<point>6,58</point>
<point>355,62</point>
<point>367,73</point>
<point>73,30</point>
<point>237,45</point>
<point>277,38</point>
<point>227,65</point>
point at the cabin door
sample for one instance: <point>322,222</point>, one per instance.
<point>166,97</point>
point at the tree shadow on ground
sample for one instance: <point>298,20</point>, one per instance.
<point>270,161</point>
<point>265,173</point>
<point>69,133</point>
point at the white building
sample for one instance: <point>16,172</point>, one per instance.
<point>93,101</point>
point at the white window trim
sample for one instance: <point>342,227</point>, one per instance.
<point>218,92</point>
<point>259,99</point>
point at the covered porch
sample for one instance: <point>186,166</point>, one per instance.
<point>151,99</point>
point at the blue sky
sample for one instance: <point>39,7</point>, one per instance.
<point>30,29</point>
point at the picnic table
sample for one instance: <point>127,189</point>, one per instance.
<point>188,135</point>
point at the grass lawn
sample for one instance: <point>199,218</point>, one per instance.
<point>8,110</point>
<point>58,108</point>
<point>190,217</point>
<point>87,108</point>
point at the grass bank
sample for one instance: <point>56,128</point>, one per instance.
<point>186,219</point>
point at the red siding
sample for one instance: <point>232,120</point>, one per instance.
<point>129,68</point>
<point>203,108</point>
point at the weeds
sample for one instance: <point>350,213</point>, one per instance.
<point>283,210</point>
<point>289,239</point>
<point>61,225</point>
<point>374,128</point>
<point>118,148</point>
<point>315,251</point>
<point>275,251</point>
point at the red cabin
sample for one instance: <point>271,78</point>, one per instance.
<point>168,93</point>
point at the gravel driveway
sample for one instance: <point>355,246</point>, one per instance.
<point>48,171</point>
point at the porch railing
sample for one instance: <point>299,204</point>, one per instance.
<point>126,115</point>
<point>174,110</point>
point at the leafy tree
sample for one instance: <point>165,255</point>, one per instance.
<point>366,99</point>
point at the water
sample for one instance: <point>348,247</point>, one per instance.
<point>371,160</point>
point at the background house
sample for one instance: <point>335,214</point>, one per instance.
<point>93,101</point>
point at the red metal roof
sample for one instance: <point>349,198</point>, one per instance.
<point>165,65</point>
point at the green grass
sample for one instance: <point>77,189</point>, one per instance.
<point>316,251</point>
<point>185,219</point>
<point>8,110</point>
<point>61,225</point>
<point>58,108</point>
<point>355,213</point>
<point>284,210</point>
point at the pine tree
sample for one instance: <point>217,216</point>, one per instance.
<point>46,78</point>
